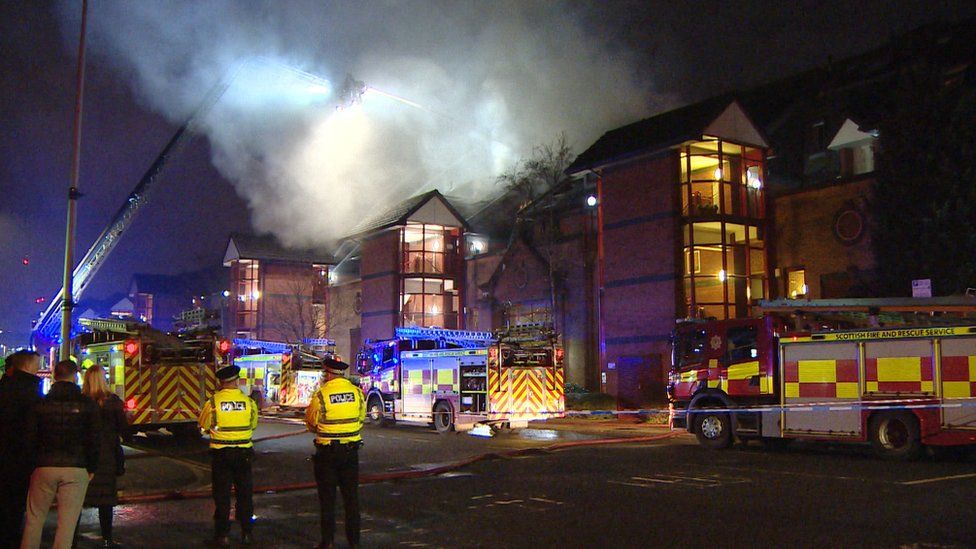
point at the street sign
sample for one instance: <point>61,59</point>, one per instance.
<point>922,287</point>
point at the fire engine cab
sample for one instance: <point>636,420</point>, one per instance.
<point>897,373</point>
<point>457,379</point>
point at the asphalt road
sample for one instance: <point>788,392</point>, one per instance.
<point>670,493</point>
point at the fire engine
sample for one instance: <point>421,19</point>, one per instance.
<point>163,380</point>
<point>899,374</point>
<point>282,374</point>
<point>457,379</point>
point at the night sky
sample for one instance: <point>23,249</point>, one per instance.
<point>680,51</point>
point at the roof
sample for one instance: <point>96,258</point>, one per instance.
<point>210,279</point>
<point>267,248</point>
<point>652,134</point>
<point>400,213</point>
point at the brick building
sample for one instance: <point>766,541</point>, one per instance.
<point>275,293</point>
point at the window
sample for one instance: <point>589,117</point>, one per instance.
<point>723,213</point>
<point>424,249</point>
<point>796,283</point>
<point>248,294</point>
<point>689,347</point>
<point>741,344</point>
<point>429,302</point>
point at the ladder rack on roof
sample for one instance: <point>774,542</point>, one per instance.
<point>533,331</point>
<point>463,338</point>
<point>106,325</point>
<point>267,346</point>
<point>944,304</point>
<point>318,341</point>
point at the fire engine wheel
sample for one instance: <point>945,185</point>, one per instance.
<point>375,411</point>
<point>713,429</point>
<point>443,417</point>
<point>894,436</point>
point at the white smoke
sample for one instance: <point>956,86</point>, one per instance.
<point>485,81</point>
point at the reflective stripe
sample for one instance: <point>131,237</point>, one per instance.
<point>230,429</point>
<point>338,421</point>
<point>338,435</point>
<point>231,442</point>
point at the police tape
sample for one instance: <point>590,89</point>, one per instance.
<point>887,404</point>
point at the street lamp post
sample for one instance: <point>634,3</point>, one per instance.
<point>69,239</point>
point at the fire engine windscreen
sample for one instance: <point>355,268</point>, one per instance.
<point>449,95</point>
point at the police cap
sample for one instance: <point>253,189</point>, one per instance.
<point>228,373</point>
<point>335,366</point>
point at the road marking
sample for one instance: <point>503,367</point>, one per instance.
<point>796,474</point>
<point>509,502</point>
<point>679,480</point>
<point>544,500</point>
<point>937,479</point>
<point>482,497</point>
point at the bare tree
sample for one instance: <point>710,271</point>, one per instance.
<point>301,312</point>
<point>536,180</point>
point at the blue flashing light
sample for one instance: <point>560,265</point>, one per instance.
<point>396,360</point>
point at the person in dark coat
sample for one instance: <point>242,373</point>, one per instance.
<point>20,389</point>
<point>63,430</point>
<point>102,490</point>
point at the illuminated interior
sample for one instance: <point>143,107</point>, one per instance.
<point>723,223</point>
<point>248,294</point>
<point>429,293</point>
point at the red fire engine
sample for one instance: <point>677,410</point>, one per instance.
<point>840,370</point>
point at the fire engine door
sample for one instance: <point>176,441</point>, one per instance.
<point>415,384</point>
<point>821,389</point>
<point>959,382</point>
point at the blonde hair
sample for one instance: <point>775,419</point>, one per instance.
<point>94,385</point>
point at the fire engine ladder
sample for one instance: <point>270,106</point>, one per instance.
<point>462,338</point>
<point>266,346</point>
<point>875,312</point>
<point>48,326</point>
<point>105,325</point>
<point>524,333</point>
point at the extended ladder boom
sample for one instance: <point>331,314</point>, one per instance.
<point>48,327</point>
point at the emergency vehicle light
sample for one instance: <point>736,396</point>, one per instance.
<point>131,347</point>
<point>130,404</point>
<point>223,346</point>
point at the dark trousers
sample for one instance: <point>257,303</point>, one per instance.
<point>338,465</point>
<point>232,466</point>
<point>13,505</point>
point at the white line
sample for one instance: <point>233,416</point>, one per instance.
<point>937,479</point>
<point>661,480</point>
<point>629,484</point>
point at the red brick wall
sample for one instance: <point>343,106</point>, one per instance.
<point>379,272</point>
<point>640,277</point>
<point>805,237</point>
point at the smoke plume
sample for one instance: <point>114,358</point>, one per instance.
<point>481,83</point>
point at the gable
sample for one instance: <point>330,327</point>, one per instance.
<point>232,254</point>
<point>436,212</point>
<point>734,125</point>
<point>849,135</point>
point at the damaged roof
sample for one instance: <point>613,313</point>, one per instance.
<point>267,248</point>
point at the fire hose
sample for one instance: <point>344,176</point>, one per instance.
<point>373,478</point>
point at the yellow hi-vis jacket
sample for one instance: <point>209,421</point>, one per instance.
<point>337,412</point>
<point>230,417</point>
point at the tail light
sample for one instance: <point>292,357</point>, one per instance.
<point>223,346</point>
<point>131,348</point>
<point>130,404</point>
<point>559,355</point>
<point>492,355</point>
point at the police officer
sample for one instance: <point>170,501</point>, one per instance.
<point>230,417</point>
<point>336,414</point>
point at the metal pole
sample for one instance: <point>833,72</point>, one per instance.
<point>69,239</point>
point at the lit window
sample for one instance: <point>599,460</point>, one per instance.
<point>796,284</point>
